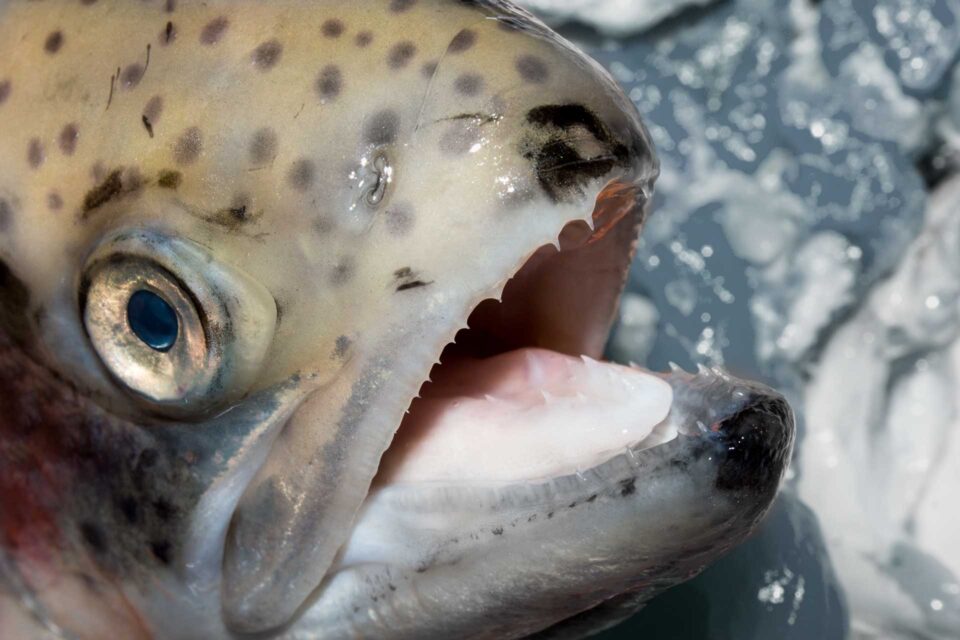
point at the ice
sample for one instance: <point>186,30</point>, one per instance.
<point>615,17</point>
<point>800,141</point>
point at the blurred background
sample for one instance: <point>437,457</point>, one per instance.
<point>806,232</point>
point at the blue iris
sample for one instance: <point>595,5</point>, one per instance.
<point>153,320</point>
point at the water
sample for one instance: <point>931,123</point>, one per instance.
<point>806,234</point>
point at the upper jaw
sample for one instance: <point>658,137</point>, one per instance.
<point>437,559</point>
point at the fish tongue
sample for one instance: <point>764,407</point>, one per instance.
<point>523,415</point>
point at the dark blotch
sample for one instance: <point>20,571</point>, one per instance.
<point>532,69</point>
<point>103,192</point>
<point>54,201</point>
<point>329,82</point>
<point>363,39</point>
<point>188,147</point>
<point>162,551</point>
<point>5,89</point>
<point>267,55</point>
<point>469,84</point>
<point>54,42</point>
<point>169,34</point>
<point>263,146</point>
<point>382,127</point>
<point>131,76</point>
<point>164,510</point>
<point>14,295</point>
<point>628,487</point>
<point>214,30</point>
<point>592,498</point>
<point>497,531</point>
<point>399,220</point>
<point>6,216</point>
<point>332,28</point>
<point>69,136</point>
<point>341,347</point>
<point>463,41</point>
<point>94,537</point>
<point>416,284</point>
<point>153,110</point>
<point>399,6</point>
<point>35,153</point>
<point>169,179</point>
<point>342,272</point>
<point>401,54</point>
<point>302,174</point>
<point>129,508</point>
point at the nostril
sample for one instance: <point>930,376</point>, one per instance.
<point>755,445</point>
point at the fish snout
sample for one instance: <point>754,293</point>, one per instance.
<point>754,443</point>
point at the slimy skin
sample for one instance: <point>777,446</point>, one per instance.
<point>322,194</point>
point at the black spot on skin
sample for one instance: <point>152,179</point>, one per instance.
<point>382,128</point>
<point>54,201</point>
<point>532,69</point>
<point>188,147</point>
<point>213,31</point>
<point>103,193</point>
<point>399,219</point>
<point>54,42</point>
<point>428,69</point>
<point>68,139</point>
<point>403,273</point>
<point>329,82</point>
<point>131,76</point>
<point>35,153</point>
<point>301,174</point>
<point>162,550</point>
<point>169,34</point>
<point>399,6</point>
<point>88,3</point>
<point>416,284</point>
<point>129,508</point>
<point>148,458</point>
<point>341,347</point>
<point>5,89</point>
<point>628,487</point>
<point>169,179</point>
<point>267,55</point>
<point>152,111</point>
<point>592,498</point>
<point>469,84</point>
<point>463,41</point>
<point>572,505</point>
<point>14,296</point>
<point>401,54</point>
<point>94,537</point>
<point>263,146</point>
<point>147,125</point>
<point>497,531</point>
<point>332,28</point>
<point>406,279</point>
<point>550,516</point>
<point>363,39</point>
<point>240,212</point>
<point>164,510</point>
<point>342,272</point>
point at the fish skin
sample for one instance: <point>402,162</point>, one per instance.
<point>337,161</point>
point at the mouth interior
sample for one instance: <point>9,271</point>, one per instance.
<point>520,395</point>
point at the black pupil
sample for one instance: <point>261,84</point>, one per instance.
<point>153,320</point>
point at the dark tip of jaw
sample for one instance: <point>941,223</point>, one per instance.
<point>755,444</point>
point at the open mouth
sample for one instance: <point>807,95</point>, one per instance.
<point>521,395</point>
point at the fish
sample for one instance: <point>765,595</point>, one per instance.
<point>303,309</point>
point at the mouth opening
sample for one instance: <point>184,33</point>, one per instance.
<point>520,395</point>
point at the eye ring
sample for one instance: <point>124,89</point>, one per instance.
<point>175,327</point>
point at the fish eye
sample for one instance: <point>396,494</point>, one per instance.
<point>171,325</point>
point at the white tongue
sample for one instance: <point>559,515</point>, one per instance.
<point>525,415</point>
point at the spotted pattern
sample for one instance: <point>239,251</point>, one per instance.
<point>69,136</point>
<point>302,174</point>
<point>54,42</point>
<point>532,69</point>
<point>363,39</point>
<point>382,127</point>
<point>153,110</point>
<point>188,147</point>
<point>401,54</point>
<point>168,34</point>
<point>342,272</point>
<point>214,31</point>
<point>5,90</point>
<point>329,82</point>
<point>36,154</point>
<point>263,146</point>
<point>332,28</point>
<point>267,55</point>
<point>399,219</point>
<point>54,201</point>
<point>131,75</point>
<point>463,41</point>
<point>469,84</point>
<point>399,6</point>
